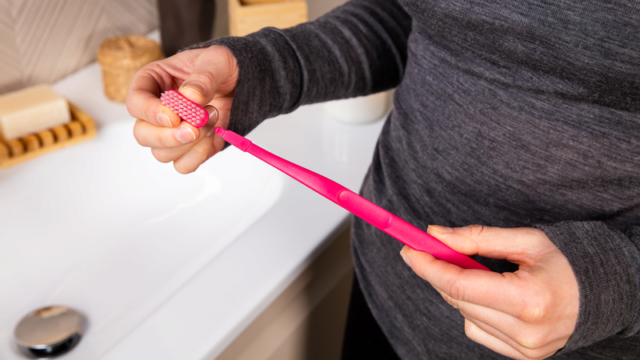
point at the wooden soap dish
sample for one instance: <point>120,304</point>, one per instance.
<point>80,128</point>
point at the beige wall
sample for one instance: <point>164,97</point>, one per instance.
<point>316,9</point>
<point>42,41</point>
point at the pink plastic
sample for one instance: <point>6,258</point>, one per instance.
<point>357,205</point>
<point>188,111</point>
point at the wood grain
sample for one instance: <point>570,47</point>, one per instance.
<point>81,128</point>
<point>31,142</point>
<point>46,137</point>
<point>245,19</point>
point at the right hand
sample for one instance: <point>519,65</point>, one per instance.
<point>205,76</point>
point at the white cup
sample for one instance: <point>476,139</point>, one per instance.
<point>360,110</point>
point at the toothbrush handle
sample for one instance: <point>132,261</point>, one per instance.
<point>357,205</point>
<point>403,231</point>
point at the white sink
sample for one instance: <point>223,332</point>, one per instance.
<point>161,229</point>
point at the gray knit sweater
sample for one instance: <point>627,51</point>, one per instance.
<point>507,113</point>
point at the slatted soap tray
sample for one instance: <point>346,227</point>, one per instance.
<point>80,128</point>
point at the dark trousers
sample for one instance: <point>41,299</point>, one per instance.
<point>363,338</point>
<point>185,22</point>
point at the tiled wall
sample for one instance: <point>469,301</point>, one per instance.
<point>42,41</point>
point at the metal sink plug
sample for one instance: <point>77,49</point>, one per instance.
<point>49,331</point>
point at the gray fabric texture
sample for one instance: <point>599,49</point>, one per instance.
<point>507,113</point>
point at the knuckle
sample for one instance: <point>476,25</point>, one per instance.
<point>451,302</point>
<point>166,142</point>
<point>531,342</point>
<point>138,133</point>
<point>469,330</point>
<point>532,314</point>
<point>535,310</point>
<point>154,69</point>
<point>469,333</point>
<point>455,289</point>
<point>161,156</point>
<point>183,168</point>
<point>201,152</point>
<point>476,230</point>
<point>203,76</point>
<point>533,354</point>
<point>130,102</point>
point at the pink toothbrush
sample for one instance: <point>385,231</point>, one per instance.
<point>406,233</point>
<point>357,205</point>
<point>188,111</point>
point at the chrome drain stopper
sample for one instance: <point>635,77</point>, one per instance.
<point>48,332</point>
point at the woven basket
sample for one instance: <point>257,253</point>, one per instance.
<point>120,58</point>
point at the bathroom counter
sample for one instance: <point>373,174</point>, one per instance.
<point>210,307</point>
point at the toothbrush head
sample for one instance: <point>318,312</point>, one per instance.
<point>188,111</point>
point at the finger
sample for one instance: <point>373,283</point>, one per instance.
<point>152,136</point>
<point>515,332</point>
<point>165,155</point>
<point>519,323</point>
<point>503,292</point>
<point>159,137</point>
<point>197,155</point>
<point>168,155</point>
<point>143,102</point>
<point>210,69</point>
<point>478,335</point>
<point>518,245</point>
<point>537,352</point>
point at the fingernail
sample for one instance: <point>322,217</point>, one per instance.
<point>213,113</point>
<point>185,135</point>
<point>163,119</point>
<point>195,87</point>
<point>405,258</point>
<point>441,229</point>
<point>213,118</point>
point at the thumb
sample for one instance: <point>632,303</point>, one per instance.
<point>210,69</point>
<point>513,244</point>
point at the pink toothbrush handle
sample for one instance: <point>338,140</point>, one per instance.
<point>356,204</point>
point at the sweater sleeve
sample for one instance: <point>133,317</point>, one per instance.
<point>606,263</point>
<point>357,49</point>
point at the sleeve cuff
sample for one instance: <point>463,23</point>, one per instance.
<point>269,81</point>
<point>606,264</point>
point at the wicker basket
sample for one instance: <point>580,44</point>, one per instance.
<point>120,58</point>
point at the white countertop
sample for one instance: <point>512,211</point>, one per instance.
<point>281,226</point>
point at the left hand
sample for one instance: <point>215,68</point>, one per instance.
<point>206,76</point>
<point>528,314</point>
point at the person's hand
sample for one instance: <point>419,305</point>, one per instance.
<point>205,76</point>
<point>528,314</point>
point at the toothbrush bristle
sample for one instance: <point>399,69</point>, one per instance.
<point>188,111</point>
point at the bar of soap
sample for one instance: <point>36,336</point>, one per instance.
<point>31,110</point>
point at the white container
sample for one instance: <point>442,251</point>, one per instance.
<point>360,110</point>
